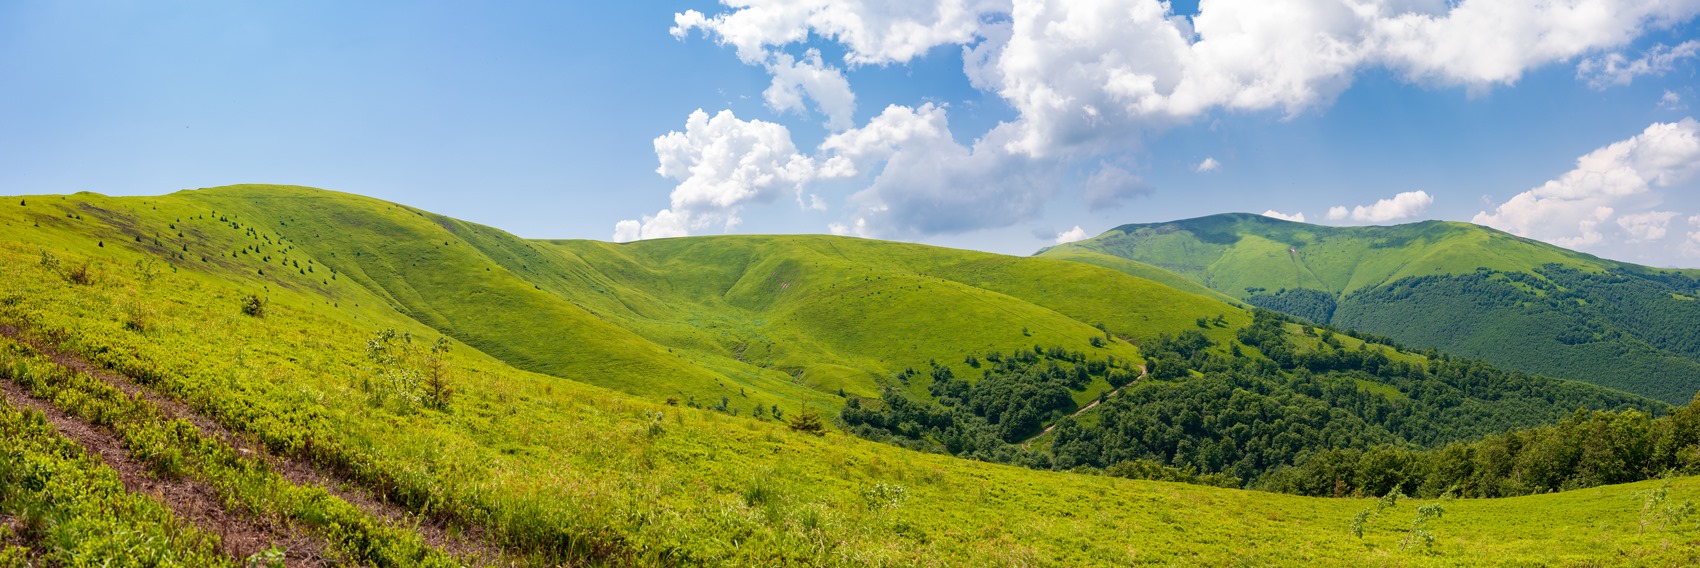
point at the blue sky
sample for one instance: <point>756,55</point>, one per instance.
<point>551,119</point>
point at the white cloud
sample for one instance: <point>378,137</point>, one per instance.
<point>1086,77</point>
<point>1617,69</point>
<point>1402,206</point>
<point>1481,42</point>
<point>628,230</point>
<point>1111,185</point>
<point>856,151</point>
<point>1295,217</point>
<point>1671,101</point>
<point>859,228</point>
<point>1075,68</point>
<point>1071,235</point>
<point>872,32</point>
<point>1648,226</point>
<point>936,185</point>
<point>1695,220</point>
<point>1570,209</point>
<point>1691,247</point>
<point>929,183</point>
<point>808,78</point>
<point>722,164</point>
<point>661,225</point>
<point>1208,165</point>
<point>1084,71</point>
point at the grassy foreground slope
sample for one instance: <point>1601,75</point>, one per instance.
<point>566,471</point>
<point>1462,288</point>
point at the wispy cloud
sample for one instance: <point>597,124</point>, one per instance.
<point>1618,69</point>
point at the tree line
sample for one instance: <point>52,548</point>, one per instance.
<point>1270,401</point>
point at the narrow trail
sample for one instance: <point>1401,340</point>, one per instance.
<point>466,545</point>
<point>240,535</point>
<point>1094,403</point>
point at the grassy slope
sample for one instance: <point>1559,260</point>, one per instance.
<point>757,320</point>
<point>1134,267</point>
<point>1236,254</point>
<point>845,311</point>
<point>714,489</point>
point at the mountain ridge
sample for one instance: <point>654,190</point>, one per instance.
<point>1550,310</point>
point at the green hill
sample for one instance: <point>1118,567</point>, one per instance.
<point>1457,287</point>
<point>760,320</point>
<point>262,311</point>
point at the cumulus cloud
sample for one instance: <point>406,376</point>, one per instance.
<point>933,186</point>
<point>856,151</point>
<point>1618,69</point>
<point>795,80</point>
<point>1478,42</point>
<point>1071,235</point>
<point>1402,206</point>
<point>1111,185</point>
<point>722,163</point>
<point>628,230</point>
<point>929,183</point>
<point>663,224</point>
<point>1084,71</point>
<point>1085,77</point>
<point>1208,165</point>
<point>1571,210</point>
<point>1295,217</point>
<point>1648,226</point>
<point>872,32</point>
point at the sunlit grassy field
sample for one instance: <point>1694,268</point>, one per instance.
<point>561,446</point>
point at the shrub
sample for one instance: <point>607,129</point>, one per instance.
<point>809,422</point>
<point>80,274</point>
<point>254,305</point>
<point>438,390</point>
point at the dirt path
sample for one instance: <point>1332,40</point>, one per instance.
<point>1094,403</point>
<point>466,545</point>
<point>240,535</point>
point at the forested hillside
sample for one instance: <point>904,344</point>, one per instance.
<point>1280,393</point>
<point>1460,288</point>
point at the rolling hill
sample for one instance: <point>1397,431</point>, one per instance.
<point>1460,288</point>
<point>210,375</point>
<point>764,320</point>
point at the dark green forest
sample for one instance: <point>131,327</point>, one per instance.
<point>1586,449</point>
<point>1260,406</point>
<point>1314,305</point>
<point>1624,330</point>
